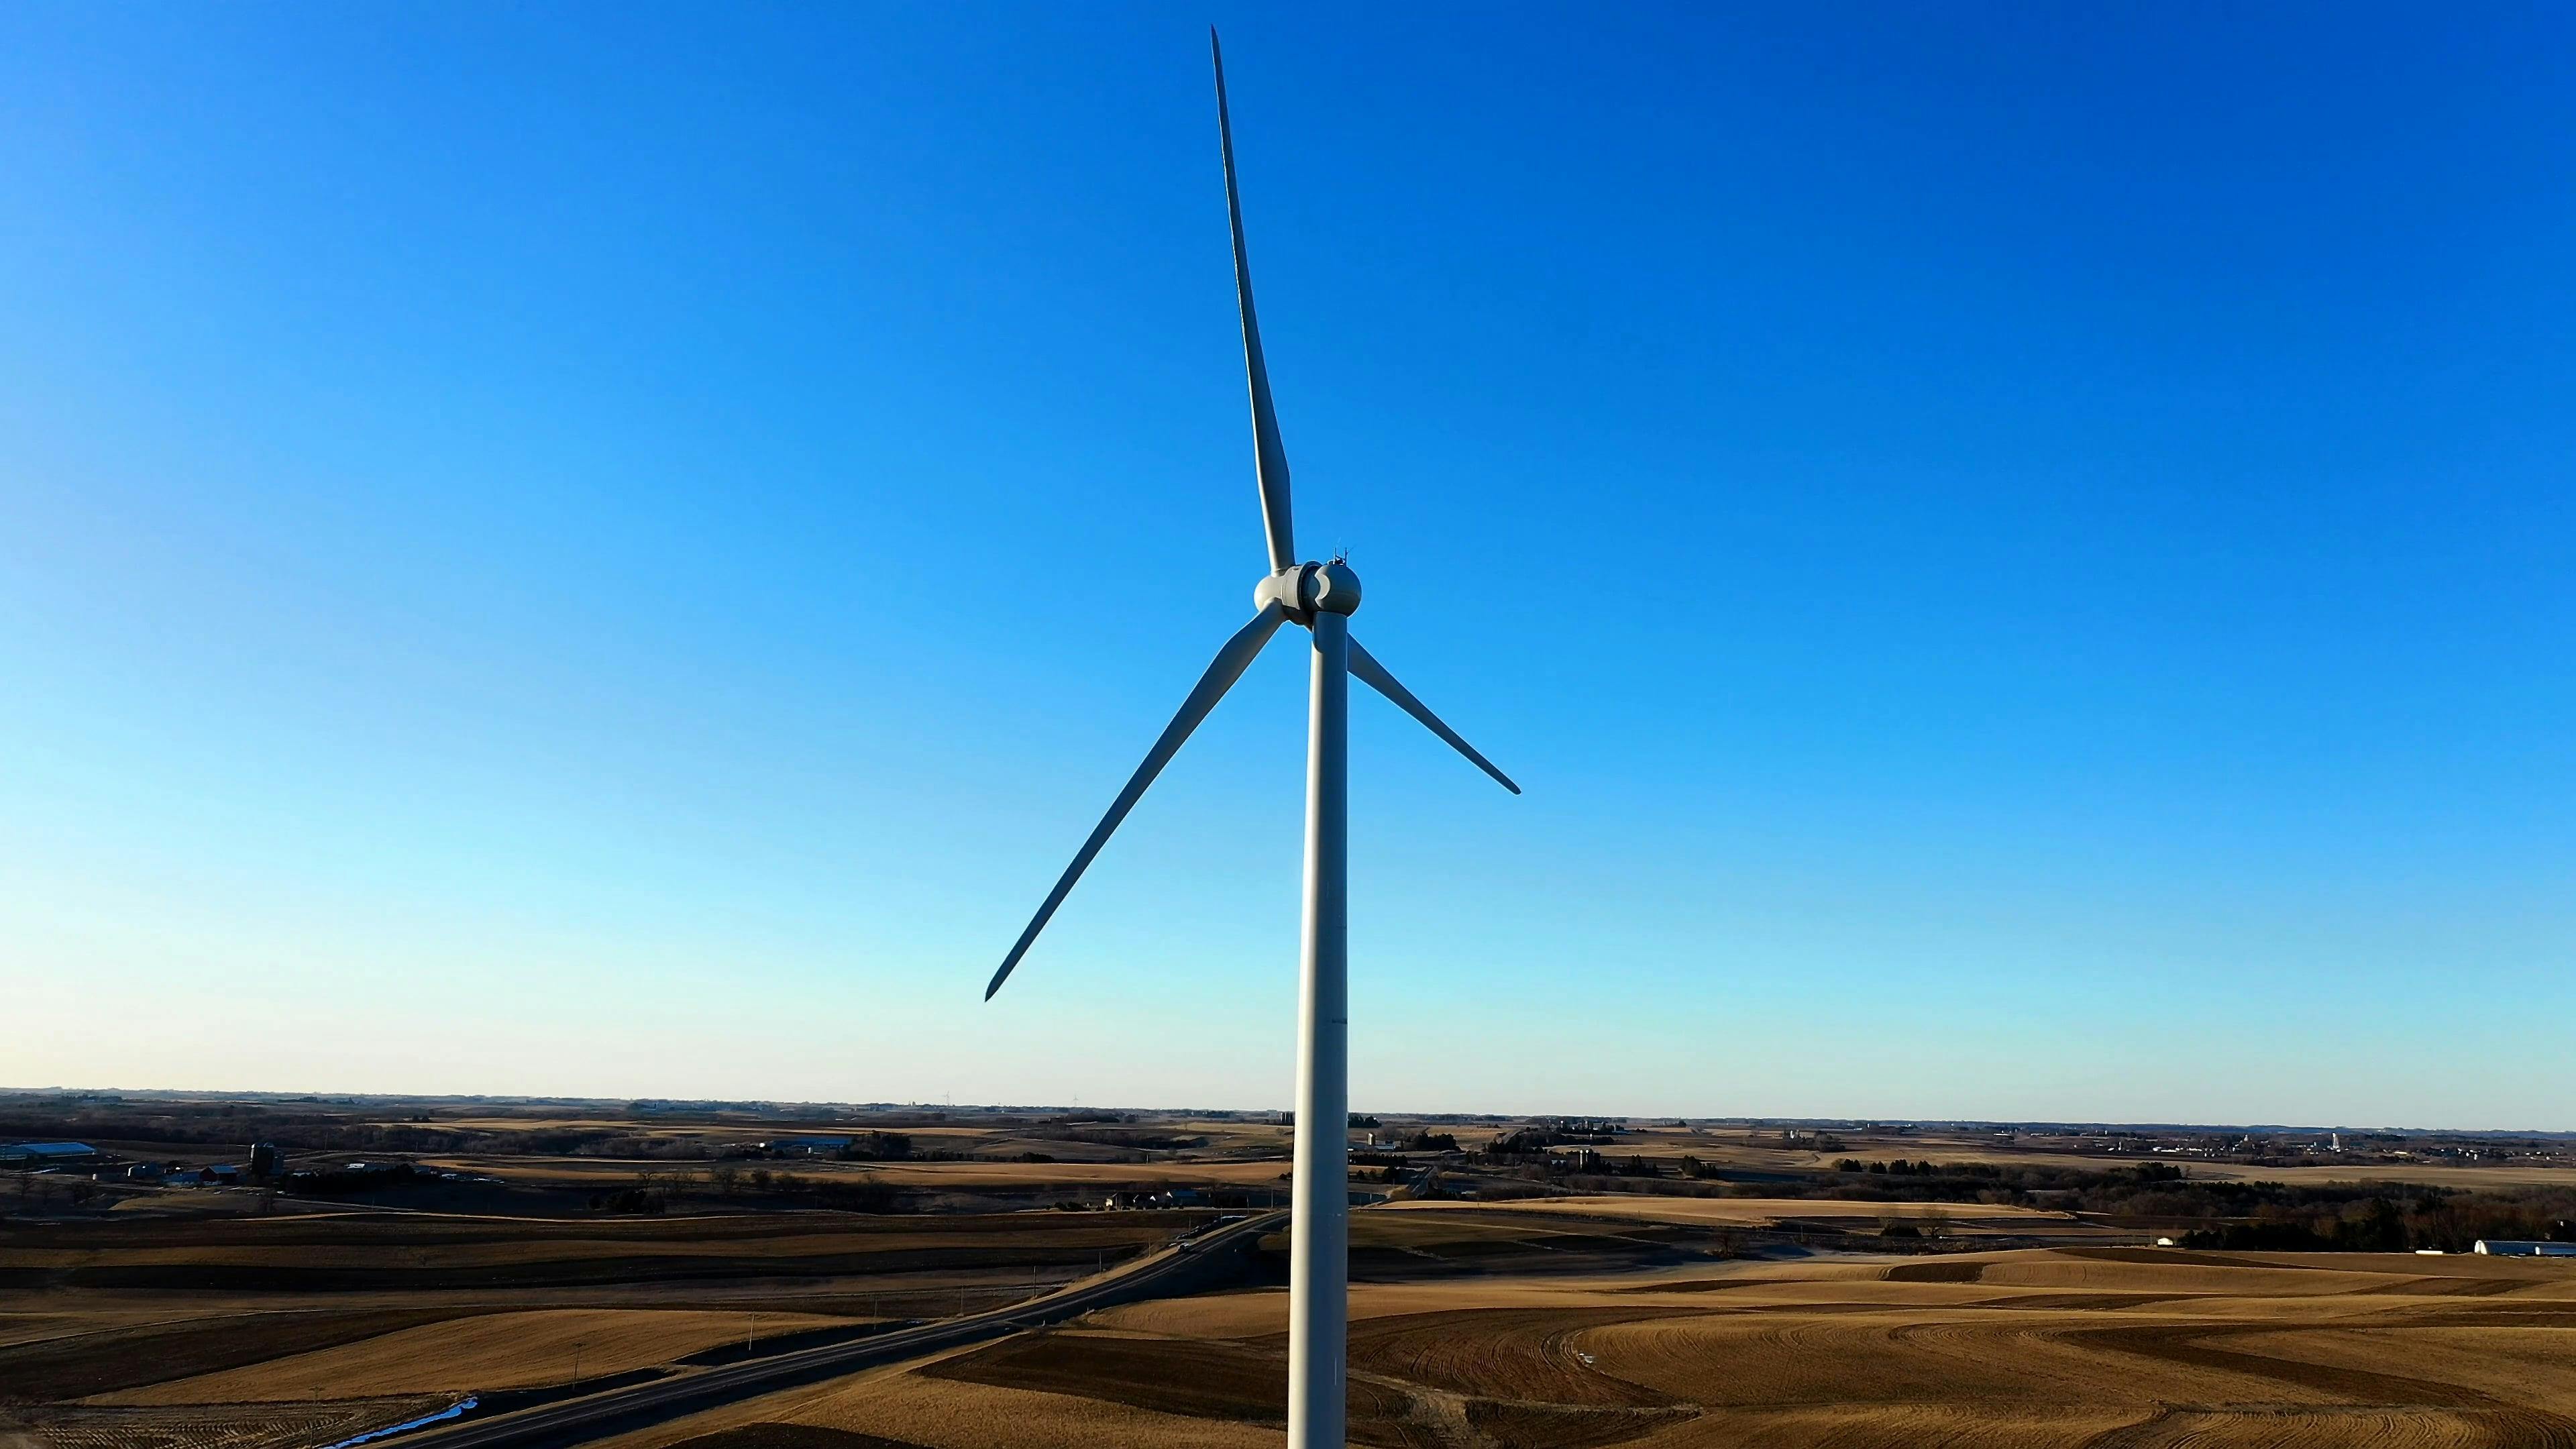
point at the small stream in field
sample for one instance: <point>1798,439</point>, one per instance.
<point>452,1411</point>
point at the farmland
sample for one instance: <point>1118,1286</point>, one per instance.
<point>2033,1347</point>
<point>1516,1282</point>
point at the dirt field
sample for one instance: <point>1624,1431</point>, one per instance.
<point>149,1326</point>
<point>1755,1212</point>
<point>481,1352</point>
<point>1736,1311</point>
<point>1733,1149</point>
<point>951,1176</point>
<point>344,1252</point>
<point>245,1426</point>
<point>2098,1348</point>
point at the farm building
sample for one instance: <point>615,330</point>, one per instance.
<point>47,1154</point>
<point>2524,1248</point>
<point>809,1146</point>
<point>1143,1198</point>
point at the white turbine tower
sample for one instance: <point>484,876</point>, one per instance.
<point>1321,597</point>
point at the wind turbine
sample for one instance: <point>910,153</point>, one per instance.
<point>1321,597</point>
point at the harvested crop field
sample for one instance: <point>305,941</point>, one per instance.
<point>481,1352</point>
<point>1757,1212</point>
<point>80,1364</point>
<point>1066,1176</point>
<point>245,1426</point>
<point>793,1436</point>
<point>394,1252</point>
<point>1600,1319</point>
<point>2085,1349</point>
<point>294,1330</point>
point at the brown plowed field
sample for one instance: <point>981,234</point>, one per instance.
<point>238,1426</point>
<point>77,1365</point>
<point>793,1436</point>
<point>483,1351</point>
<point>2031,1349</point>
<point>399,1253</point>
<point>1486,1330</point>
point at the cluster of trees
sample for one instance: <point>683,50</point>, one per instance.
<point>2150,1172</point>
<point>2336,1216</point>
<point>351,1182</point>
<point>1578,1169</point>
<point>878,1147</point>
<point>1390,1155</point>
<point>208,1124</point>
<point>38,1193</point>
<point>2378,1223</point>
<point>653,1192</point>
<point>2076,1188</point>
<point>1358,1120</point>
<point>1534,1141</point>
<point>231,1124</point>
<point>1138,1139</point>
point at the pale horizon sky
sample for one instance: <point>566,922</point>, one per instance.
<point>931,1107</point>
<point>2025,562</point>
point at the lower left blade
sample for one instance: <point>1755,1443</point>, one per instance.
<point>1228,666</point>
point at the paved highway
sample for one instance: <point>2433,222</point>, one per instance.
<point>580,1420</point>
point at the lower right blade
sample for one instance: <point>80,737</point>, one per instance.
<point>1375,676</point>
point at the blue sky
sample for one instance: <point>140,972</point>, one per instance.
<point>2025,560</point>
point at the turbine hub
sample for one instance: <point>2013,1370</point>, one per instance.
<point>1301,591</point>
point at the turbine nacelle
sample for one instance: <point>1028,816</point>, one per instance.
<point>1302,590</point>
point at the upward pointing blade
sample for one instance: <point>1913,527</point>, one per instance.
<point>1228,666</point>
<point>1374,675</point>
<point>1269,458</point>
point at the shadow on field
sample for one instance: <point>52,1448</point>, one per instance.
<point>792,1436</point>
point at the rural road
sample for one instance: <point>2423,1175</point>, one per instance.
<point>619,1411</point>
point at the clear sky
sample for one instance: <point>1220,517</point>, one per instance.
<point>2025,557</point>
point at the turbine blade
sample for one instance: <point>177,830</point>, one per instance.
<point>1269,459</point>
<point>1365,665</point>
<point>1230,662</point>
